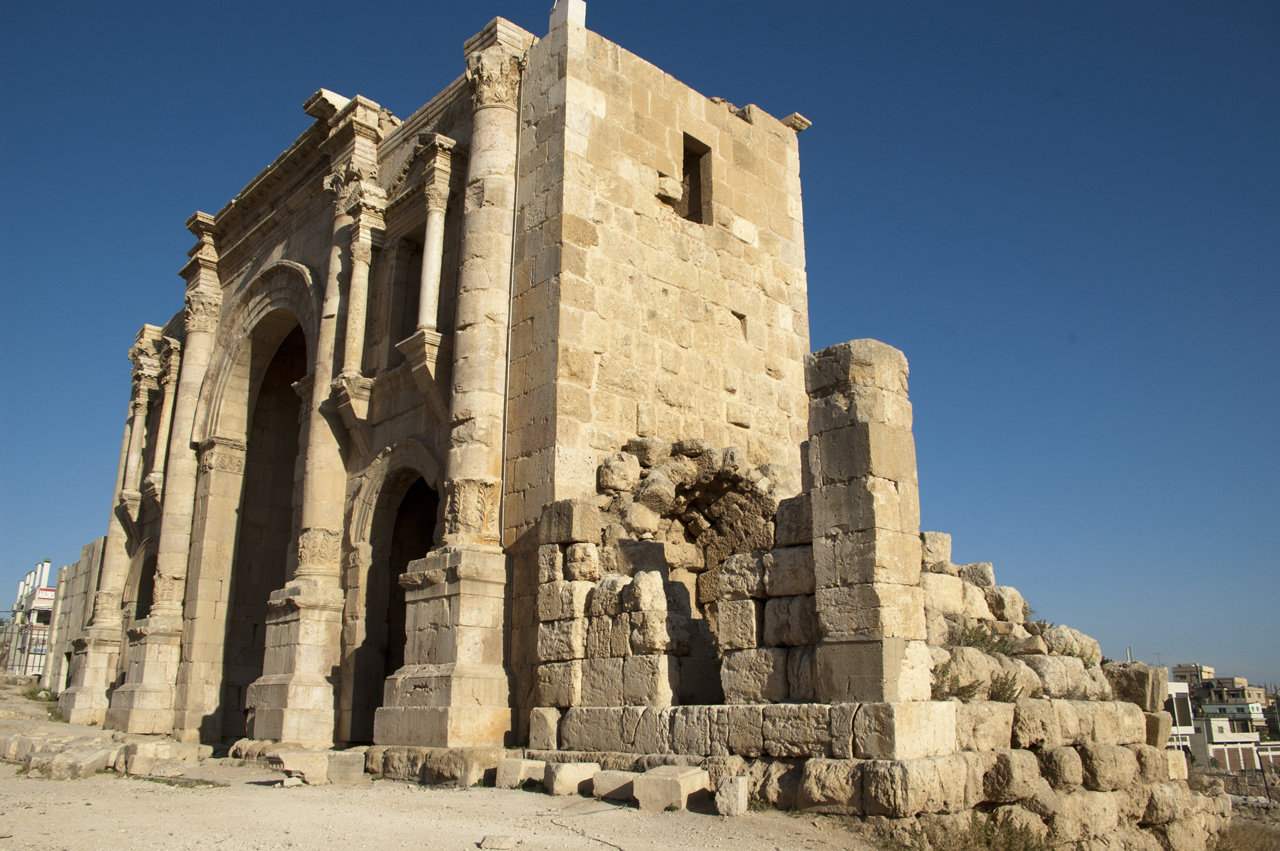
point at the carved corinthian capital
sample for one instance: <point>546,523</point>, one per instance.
<point>319,547</point>
<point>494,74</point>
<point>203,310</point>
<point>471,508</point>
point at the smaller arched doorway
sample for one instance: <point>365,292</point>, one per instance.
<point>403,530</point>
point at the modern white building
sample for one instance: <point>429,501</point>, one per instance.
<point>26,635</point>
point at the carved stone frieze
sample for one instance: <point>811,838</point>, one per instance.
<point>220,454</point>
<point>203,310</point>
<point>471,507</point>
<point>494,75</point>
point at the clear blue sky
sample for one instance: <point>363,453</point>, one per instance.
<point>1066,214</point>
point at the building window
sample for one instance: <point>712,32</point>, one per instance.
<point>695,182</point>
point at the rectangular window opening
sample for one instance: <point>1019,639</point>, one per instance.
<point>695,182</point>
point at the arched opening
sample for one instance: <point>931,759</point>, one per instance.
<point>403,531</point>
<point>146,589</point>
<point>265,525</point>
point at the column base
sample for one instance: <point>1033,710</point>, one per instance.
<point>144,704</point>
<point>445,706</point>
<point>94,667</point>
<point>293,701</point>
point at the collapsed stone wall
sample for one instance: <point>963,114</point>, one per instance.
<point>682,616</point>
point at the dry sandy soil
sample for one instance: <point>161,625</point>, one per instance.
<point>110,811</point>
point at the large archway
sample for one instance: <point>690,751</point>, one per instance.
<point>265,527</point>
<point>403,529</point>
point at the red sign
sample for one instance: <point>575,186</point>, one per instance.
<point>46,593</point>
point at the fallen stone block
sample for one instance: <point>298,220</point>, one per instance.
<point>614,785</point>
<point>732,796</point>
<point>569,778</point>
<point>311,766</point>
<point>346,768</point>
<point>77,763</point>
<point>515,773</point>
<point>670,787</point>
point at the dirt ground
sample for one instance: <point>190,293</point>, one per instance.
<point>110,811</point>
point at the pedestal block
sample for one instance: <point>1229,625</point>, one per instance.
<point>93,667</point>
<point>453,689</point>
<point>144,704</point>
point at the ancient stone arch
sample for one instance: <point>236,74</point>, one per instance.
<point>278,297</point>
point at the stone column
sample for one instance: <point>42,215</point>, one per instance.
<point>294,701</point>
<point>867,553</point>
<point>452,691</point>
<point>438,151</point>
<point>146,703</point>
<point>153,486</point>
<point>366,217</point>
<point>97,651</point>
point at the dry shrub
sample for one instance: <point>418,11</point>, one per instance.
<point>1248,836</point>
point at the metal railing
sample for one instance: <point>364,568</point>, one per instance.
<point>24,647</point>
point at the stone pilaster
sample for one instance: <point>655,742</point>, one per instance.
<point>294,699</point>
<point>452,690</point>
<point>866,545</point>
<point>147,701</point>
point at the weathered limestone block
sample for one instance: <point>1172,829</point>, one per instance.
<point>1006,604</point>
<point>619,472</point>
<point>657,493</point>
<point>594,728</point>
<point>1159,728</point>
<point>732,796</point>
<point>641,520</point>
<point>514,773</point>
<point>755,676</point>
<point>569,778</point>
<point>1083,815</point>
<point>905,730</point>
<point>1177,764</point>
<point>975,602</point>
<point>1107,767</point>
<point>741,577</point>
<point>653,730</point>
<point>582,562</point>
<point>649,680</point>
<point>868,671</point>
<point>562,640</point>
<point>1062,768</point>
<point>1152,765</point>
<point>559,684</point>
<point>865,555</point>
<point>691,729</point>
<point>891,611</point>
<point>607,599</point>
<point>745,734</point>
<point>740,624</point>
<point>685,556</point>
<point>550,563</point>
<point>609,636</point>
<point>792,730</point>
<point>634,557</point>
<point>831,786</point>
<point>904,788</point>
<point>1065,641</point>
<point>841,716</point>
<point>984,725</point>
<point>563,600</point>
<point>659,632</point>
<point>1139,684</point>
<point>1014,776</point>
<point>1060,676</point>
<point>801,687</point>
<point>790,622</point>
<point>789,572</point>
<point>645,593</point>
<point>1035,724</point>
<point>943,593</point>
<point>670,787</point>
<point>1076,721</point>
<point>570,521</point>
<point>979,573</point>
<point>311,766</point>
<point>935,548</point>
<point>614,785</point>
<point>649,451</point>
<point>601,682</point>
<point>1131,723</point>
<point>793,525</point>
<point>970,666</point>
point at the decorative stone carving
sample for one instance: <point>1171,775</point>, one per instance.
<point>317,546</point>
<point>106,606</point>
<point>437,197</point>
<point>168,590</point>
<point>494,75</point>
<point>203,310</point>
<point>471,507</point>
<point>221,454</point>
